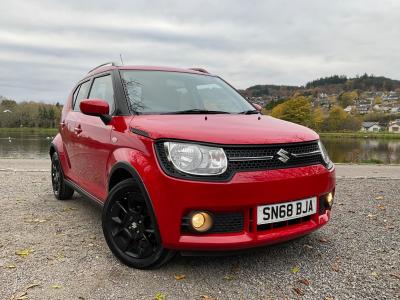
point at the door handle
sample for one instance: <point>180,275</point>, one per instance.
<point>78,129</point>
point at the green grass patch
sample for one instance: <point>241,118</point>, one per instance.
<point>361,135</point>
<point>29,130</point>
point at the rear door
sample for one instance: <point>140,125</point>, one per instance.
<point>94,140</point>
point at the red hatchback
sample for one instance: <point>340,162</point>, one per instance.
<point>180,161</point>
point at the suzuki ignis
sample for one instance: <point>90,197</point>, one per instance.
<point>180,161</point>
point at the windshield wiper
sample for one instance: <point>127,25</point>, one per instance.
<point>249,112</point>
<point>197,111</point>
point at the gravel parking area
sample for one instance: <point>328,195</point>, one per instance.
<point>55,250</point>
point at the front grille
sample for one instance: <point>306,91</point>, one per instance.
<point>283,223</point>
<point>223,223</point>
<point>272,161</point>
<point>252,158</point>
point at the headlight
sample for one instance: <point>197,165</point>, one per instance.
<point>196,159</point>
<point>325,156</point>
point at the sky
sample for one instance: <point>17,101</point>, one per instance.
<point>47,46</point>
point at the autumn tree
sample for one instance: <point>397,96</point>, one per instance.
<point>339,120</point>
<point>347,98</point>
<point>297,110</point>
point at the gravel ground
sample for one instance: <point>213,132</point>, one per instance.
<point>62,253</point>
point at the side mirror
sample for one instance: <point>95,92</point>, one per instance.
<point>96,107</point>
<point>257,106</point>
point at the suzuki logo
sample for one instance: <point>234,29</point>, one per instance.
<point>283,155</point>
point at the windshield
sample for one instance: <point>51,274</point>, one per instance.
<point>160,92</point>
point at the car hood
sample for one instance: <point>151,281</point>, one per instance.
<point>222,128</point>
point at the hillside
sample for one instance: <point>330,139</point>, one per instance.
<point>335,84</point>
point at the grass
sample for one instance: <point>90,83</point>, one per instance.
<point>373,135</point>
<point>29,130</point>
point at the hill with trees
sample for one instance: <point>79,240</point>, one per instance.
<point>332,84</point>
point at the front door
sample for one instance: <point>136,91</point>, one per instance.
<point>94,141</point>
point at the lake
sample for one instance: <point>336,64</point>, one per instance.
<point>341,150</point>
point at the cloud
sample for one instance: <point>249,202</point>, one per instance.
<point>46,46</point>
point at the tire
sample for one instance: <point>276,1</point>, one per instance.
<point>130,228</point>
<point>60,189</point>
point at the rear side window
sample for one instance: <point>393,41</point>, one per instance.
<point>82,94</point>
<point>102,88</point>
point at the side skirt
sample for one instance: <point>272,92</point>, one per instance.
<point>83,192</point>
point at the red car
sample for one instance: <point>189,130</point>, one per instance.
<point>180,161</point>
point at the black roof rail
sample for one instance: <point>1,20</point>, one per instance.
<point>102,65</point>
<point>200,70</point>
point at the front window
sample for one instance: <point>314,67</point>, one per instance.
<point>160,92</point>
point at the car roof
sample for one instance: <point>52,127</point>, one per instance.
<point>106,68</point>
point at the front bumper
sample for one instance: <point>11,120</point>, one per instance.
<point>173,198</point>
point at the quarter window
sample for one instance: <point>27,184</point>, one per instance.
<point>102,88</point>
<point>82,94</point>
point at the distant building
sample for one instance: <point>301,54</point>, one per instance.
<point>394,126</point>
<point>394,110</point>
<point>348,109</point>
<point>370,127</point>
<point>7,111</point>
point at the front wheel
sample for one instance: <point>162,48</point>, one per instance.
<point>130,228</point>
<point>60,189</point>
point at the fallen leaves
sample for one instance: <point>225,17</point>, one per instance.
<point>323,240</point>
<point>298,291</point>
<point>375,274</point>
<point>9,266</point>
<point>381,207</point>
<point>379,198</point>
<point>229,277</point>
<point>395,275</point>
<point>205,297</point>
<point>307,246</point>
<point>68,209</point>
<point>159,296</point>
<point>335,268</point>
<point>179,276</point>
<point>36,221</point>
<point>56,286</point>
<point>304,281</point>
<point>24,252</point>
<point>295,270</point>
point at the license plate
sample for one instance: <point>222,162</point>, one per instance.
<point>279,212</point>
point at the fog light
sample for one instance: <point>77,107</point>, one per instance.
<point>201,221</point>
<point>329,200</point>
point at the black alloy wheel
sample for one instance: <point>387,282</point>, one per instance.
<point>130,228</point>
<point>60,189</point>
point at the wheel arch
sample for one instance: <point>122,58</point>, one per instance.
<point>124,168</point>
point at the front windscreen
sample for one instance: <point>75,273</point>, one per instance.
<point>161,92</point>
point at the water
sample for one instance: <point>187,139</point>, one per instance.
<point>22,145</point>
<point>345,150</point>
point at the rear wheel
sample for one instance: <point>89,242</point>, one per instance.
<point>130,228</point>
<point>60,189</point>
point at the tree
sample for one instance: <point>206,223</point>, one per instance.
<point>297,110</point>
<point>339,120</point>
<point>317,119</point>
<point>347,98</point>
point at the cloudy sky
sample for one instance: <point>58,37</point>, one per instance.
<point>46,46</point>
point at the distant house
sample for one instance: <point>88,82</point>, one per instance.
<point>394,126</point>
<point>348,109</point>
<point>394,110</point>
<point>371,127</point>
<point>7,111</point>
